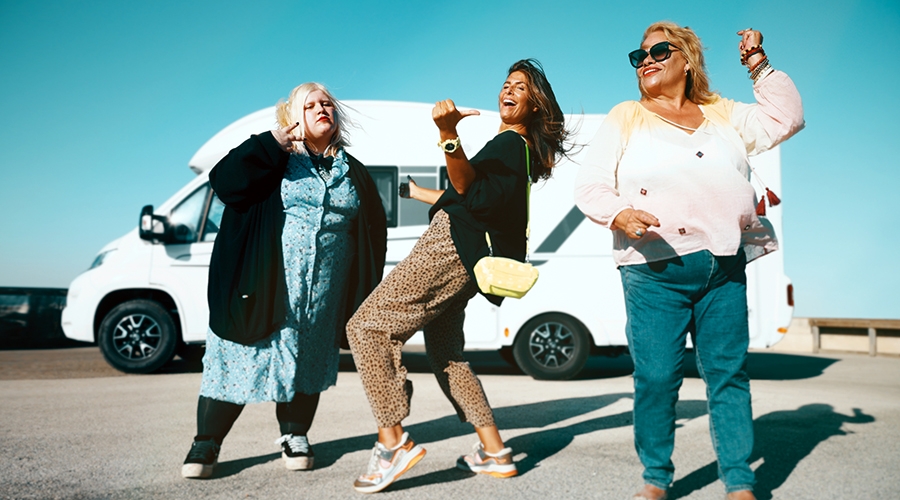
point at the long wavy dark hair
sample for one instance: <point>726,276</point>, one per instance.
<point>547,129</point>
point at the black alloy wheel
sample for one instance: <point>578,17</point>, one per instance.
<point>138,336</point>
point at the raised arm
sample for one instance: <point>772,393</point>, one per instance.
<point>459,170</point>
<point>778,112</point>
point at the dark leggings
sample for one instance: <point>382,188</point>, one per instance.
<point>215,418</point>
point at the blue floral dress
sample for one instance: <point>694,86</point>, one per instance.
<point>318,245</point>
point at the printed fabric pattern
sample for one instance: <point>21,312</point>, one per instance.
<point>317,242</point>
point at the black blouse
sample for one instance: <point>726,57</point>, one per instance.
<point>495,202</point>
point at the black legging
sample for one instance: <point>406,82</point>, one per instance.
<point>215,418</point>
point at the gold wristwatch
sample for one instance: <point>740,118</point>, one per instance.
<point>449,146</point>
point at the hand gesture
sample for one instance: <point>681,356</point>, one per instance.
<point>405,187</point>
<point>749,39</point>
<point>286,137</point>
<point>446,116</point>
<point>635,222</point>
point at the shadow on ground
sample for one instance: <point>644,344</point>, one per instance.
<point>782,440</point>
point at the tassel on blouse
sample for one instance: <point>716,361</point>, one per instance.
<point>761,207</point>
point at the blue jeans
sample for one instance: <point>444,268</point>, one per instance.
<point>665,300</point>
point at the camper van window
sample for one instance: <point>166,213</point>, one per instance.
<point>213,219</point>
<point>185,218</point>
<point>386,181</point>
<point>444,179</point>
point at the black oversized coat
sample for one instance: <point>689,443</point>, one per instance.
<point>247,289</point>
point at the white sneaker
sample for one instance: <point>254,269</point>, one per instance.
<point>498,464</point>
<point>296,452</point>
<point>385,465</point>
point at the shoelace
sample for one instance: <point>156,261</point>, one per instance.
<point>202,450</point>
<point>297,444</point>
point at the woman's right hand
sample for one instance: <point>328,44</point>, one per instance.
<point>635,222</point>
<point>446,116</point>
<point>286,137</point>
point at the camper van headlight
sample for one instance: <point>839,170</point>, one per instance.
<point>100,258</point>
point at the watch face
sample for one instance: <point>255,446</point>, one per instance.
<point>450,147</point>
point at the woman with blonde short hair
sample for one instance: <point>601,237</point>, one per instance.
<point>301,243</point>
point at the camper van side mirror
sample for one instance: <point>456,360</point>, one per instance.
<point>152,227</point>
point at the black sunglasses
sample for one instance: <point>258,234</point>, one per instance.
<point>659,52</point>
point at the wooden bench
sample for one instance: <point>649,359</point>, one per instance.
<point>872,325</point>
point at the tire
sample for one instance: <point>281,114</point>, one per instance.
<point>507,354</point>
<point>138,336</point>
<point>552,347</point>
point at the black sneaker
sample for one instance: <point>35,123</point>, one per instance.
<point>201,460</point>
<point>296,452</point>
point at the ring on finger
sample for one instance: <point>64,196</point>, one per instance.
<point>639,233</point>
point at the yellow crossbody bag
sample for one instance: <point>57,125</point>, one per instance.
<point>508,277</point>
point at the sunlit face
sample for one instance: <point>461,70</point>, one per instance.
<point>660,74</point>
<point>515,102</point>
<point>318,116</point>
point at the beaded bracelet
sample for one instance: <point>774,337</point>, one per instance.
<point>745,55</point>
<point>751,68</point>
<point>760,70</point>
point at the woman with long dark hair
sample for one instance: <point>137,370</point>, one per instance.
<point>430,288</point>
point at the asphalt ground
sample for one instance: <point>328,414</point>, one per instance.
<point>73,427</point>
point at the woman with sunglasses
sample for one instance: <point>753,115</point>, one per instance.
<point>669,175</point>
<point>429,289</point>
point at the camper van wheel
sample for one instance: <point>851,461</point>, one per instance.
<point>552,347</point>
<point>137,336</point>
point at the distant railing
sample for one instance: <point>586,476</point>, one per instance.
<point>872,326</point>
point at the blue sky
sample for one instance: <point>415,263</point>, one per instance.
<point>103,103</point>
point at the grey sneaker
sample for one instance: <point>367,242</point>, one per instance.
<point>201,460</point>
<point>385,465</point>
<point>296,452</point>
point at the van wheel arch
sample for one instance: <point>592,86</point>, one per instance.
<point>552,346</point>
<point>117,297</point>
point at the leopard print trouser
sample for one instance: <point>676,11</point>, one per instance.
<point>427,291</point>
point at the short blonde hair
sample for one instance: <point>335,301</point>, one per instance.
<point>697,88</point>
<point>291,111</point>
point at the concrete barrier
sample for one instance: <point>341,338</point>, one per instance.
<point>812,335</point>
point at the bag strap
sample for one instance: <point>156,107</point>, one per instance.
<point>487,237</point>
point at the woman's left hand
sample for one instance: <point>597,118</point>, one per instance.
<point>750,38</point>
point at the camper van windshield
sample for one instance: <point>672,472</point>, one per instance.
<point>185,218</point>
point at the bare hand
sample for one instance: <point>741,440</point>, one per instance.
<point>446,116</point>
<point>750,38</point>
<point>635,222</point>
<point>286,137</point>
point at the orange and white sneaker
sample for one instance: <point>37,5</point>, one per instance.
<point>498,464</point>
<point>386,465</point>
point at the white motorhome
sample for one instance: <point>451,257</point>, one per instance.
<point>144,297</point>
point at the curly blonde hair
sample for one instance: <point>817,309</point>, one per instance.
<point>290,111</point>
<point>697,88</point>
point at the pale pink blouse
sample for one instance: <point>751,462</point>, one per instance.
<point>697,184</point>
